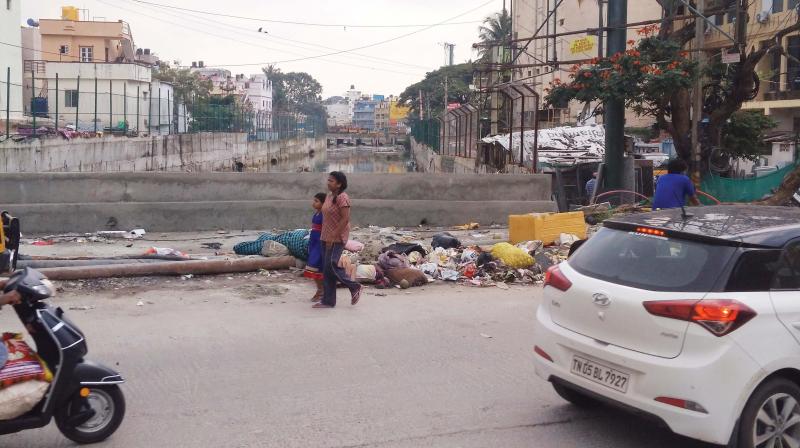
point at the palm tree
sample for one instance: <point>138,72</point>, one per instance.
<point>496,30</point>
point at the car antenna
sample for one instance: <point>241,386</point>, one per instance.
<point>684,215</point>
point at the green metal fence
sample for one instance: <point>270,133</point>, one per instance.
<point>133,108</point>
<point>427,132</point>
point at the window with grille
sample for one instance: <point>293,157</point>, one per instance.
<point>87,54</point>
<point>71,98</point>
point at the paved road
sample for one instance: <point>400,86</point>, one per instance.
<point>224,366</point>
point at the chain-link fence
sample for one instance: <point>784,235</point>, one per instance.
<point>426,131</point>
<point>134,105</point>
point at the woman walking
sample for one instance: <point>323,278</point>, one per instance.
<point>335,232</point>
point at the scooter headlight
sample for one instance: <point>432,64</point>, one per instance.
<point>46,288</point>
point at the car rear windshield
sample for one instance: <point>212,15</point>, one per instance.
<point>650,262</point>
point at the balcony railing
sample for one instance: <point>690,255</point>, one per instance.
<point>37,67</point>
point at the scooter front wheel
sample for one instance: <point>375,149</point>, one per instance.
<point>108,404</point>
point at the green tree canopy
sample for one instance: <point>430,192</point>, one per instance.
<point>495,30</point>
<point>459,77</point>
<point>187,86</point>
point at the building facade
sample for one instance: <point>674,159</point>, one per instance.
<point>364,114</point>
<point>109,96</point>
<point>382,109</point>
<point>10,61</point>
<point>86,41</point>
<point>529,15</point>
<point>339,114</point>
<point>779,92</point>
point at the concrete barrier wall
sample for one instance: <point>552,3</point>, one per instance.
<point>180,152</point>
<point>196,187</point>
<point>429,161</point>
<point>86,202</point>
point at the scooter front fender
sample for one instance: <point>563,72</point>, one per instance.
<point>88,373</point>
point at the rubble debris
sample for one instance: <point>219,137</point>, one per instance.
<point>165,251</point>
<point>213,246</point>
<point>468,226</point>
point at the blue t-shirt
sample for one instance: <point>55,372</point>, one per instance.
<point>672,190</point>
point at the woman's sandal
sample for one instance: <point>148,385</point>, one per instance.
<point>357,296</point>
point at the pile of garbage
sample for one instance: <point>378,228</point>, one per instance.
<point>407,261</point>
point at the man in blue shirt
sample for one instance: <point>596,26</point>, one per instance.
<point>590,186</point>
<point>673,188</point>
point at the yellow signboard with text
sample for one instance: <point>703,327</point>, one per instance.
<point>582,45</point>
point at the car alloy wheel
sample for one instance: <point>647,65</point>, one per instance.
<point>777,423</point>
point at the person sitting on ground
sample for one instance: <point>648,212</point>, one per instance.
<point>674,187</point>
<point>315,249</point>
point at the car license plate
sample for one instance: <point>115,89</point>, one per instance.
<point>601,374</point>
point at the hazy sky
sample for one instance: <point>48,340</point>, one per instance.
<point>223,41</point>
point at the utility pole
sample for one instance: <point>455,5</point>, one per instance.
<point>600,28</point>
<point>615,108</point>
<point>697,105</point>
<point>444,117</point>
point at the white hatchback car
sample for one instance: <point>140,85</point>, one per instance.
<point>691,320</point>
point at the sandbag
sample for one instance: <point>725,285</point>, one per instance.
<point>366,273</point>
<point>414,277</point>
<point>445,241</point>
<point>512,256</point>
<point>21,398</point>
<point>274,249</point>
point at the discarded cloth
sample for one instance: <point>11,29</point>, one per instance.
<point>354,246</point>
<point>392,260</point>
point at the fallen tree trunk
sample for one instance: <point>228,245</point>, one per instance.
<point>789,185</point>
<point>170,268</point>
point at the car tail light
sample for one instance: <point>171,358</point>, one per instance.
<point>555,278</point>
<point>542,353</point>
<point>719,316</point>
<point>683,404</point>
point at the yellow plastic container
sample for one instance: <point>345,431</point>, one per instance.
<point>545,227</point>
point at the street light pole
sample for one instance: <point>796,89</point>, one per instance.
<point>615,108</point>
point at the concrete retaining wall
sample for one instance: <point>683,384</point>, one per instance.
<point>86,202</point>
<point>181,152</point>
<point>430,162</point>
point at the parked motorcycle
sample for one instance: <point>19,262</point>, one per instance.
<point>84,398</point>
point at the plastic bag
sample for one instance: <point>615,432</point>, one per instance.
<point>23,363</point>
<point>274,249</point>
<point>446,241</point>
<point>165,251</point>
<point>512,256</point>
<point>429,269</point>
